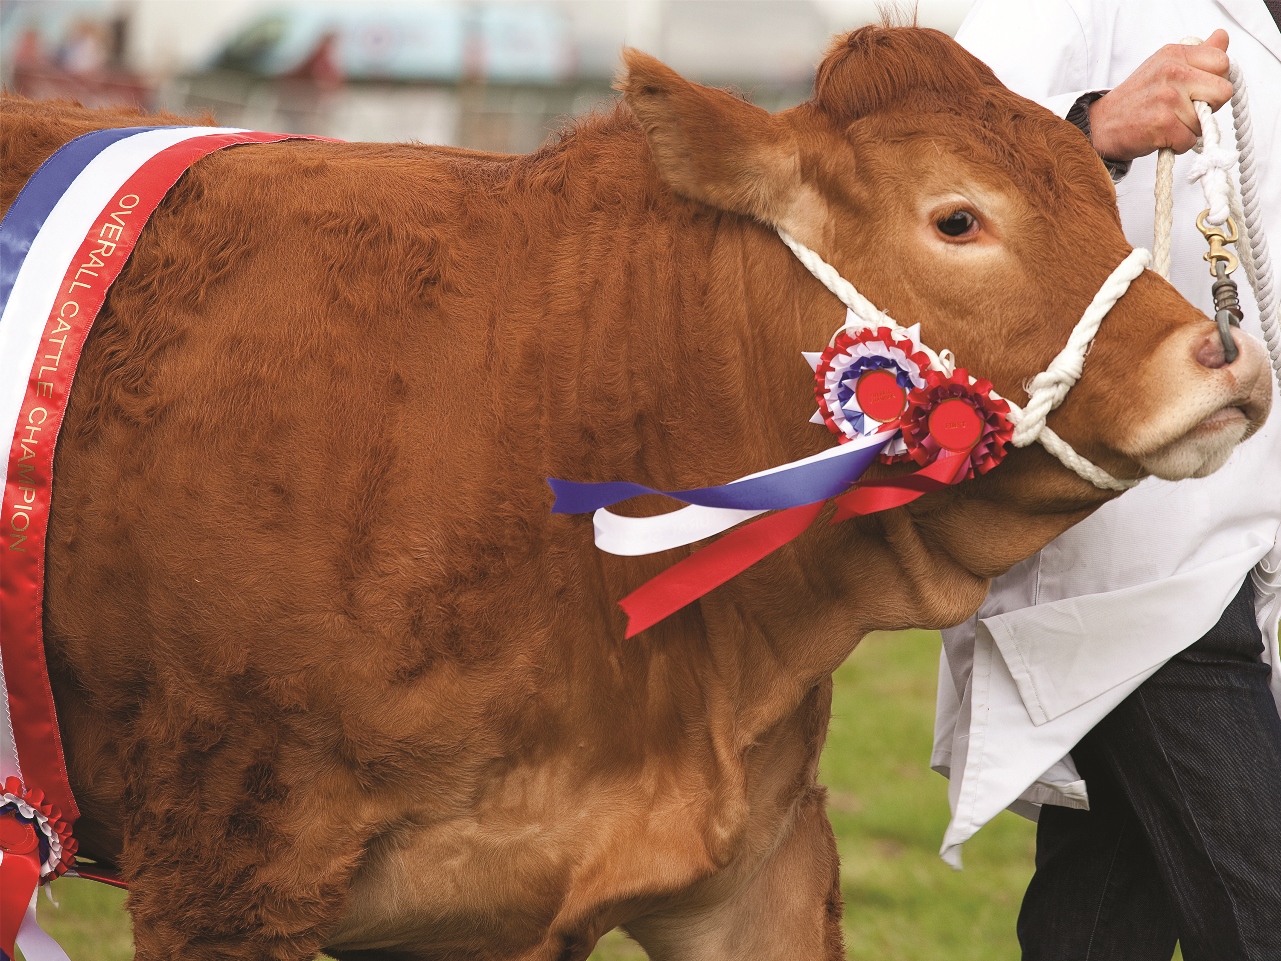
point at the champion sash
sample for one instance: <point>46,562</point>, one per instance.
<point>63,242</point>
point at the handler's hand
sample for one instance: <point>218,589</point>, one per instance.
<point>1152,108</point>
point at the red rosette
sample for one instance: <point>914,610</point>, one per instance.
<point>48,821</point>
<point>952,414</point>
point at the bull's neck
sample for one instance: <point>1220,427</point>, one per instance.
<point>689,373</point>
<point>731,394</point>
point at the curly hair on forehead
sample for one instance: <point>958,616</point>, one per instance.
<point>914,82</point>
<point>873,68</point>
<point>1037,152</point>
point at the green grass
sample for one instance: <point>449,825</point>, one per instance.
<point>90,922</point>
<point>889,811</point>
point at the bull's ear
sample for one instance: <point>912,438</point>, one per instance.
<point>712,147</point>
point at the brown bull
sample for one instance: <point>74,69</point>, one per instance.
<point>329,673</point>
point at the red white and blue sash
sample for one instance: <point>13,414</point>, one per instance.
<point>63,242</point>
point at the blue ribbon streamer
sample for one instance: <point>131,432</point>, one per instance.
<point>804,483</point>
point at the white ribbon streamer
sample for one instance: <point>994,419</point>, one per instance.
<point>35,944</point>
<point>633,536</point>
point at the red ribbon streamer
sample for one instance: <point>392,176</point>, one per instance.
<point>103,875</point>
<point>688,580</point>
<point>19,875</point>
<point>883,495</point>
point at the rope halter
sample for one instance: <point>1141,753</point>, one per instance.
<point>1046,390</point>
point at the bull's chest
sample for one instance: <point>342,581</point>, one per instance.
<point>555,855</point>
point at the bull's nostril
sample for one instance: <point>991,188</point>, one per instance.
<point>1209,352</point>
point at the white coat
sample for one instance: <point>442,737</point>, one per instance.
<point>1065,636</point>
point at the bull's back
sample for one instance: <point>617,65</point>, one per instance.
<point>280,485</point>
<point>301,569</point>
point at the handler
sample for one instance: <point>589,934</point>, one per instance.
<point>1144,640</point>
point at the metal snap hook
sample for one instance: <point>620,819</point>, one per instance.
<point>1217,237</point>
<point>1227,305</point>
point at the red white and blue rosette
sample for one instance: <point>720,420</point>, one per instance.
<point>35,846</point>
<point>862,381</point>
<point>26,811</point>
<point>954,427</point>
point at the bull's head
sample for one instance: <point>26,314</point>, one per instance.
<point>950,201</point>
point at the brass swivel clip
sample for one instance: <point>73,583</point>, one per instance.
<point>1217,237</point>
<point>1227,303</point>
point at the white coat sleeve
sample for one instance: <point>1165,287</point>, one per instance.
<point>1267,601</point>
<point>1002,33</point>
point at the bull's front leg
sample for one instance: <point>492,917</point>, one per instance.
<point>788,910</point>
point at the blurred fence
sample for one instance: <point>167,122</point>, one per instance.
<point>487,75</point>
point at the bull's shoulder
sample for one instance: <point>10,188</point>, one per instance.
<point>31,130</point>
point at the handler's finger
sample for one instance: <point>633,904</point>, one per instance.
<point>1179,137</point>
<point>1213,90</point>
<point>1178,126</point>
<point>1217,39</point>
<point>1211,56</point>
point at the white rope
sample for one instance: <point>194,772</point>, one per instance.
<point>1212,169</point>
<point>1164,223</point>
<point>1046,390</point>
<point>869,315</point>
<point>1073,461</point>
<point>1252,242</point>
<point>1249,181</point>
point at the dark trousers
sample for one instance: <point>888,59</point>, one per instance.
<point>1182,841</point>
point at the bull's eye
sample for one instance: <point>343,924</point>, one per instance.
<point>956,224</point>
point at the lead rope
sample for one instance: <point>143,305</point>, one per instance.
<point>1235,212</point>
<point>1252,246</point>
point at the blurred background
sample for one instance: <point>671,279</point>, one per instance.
<point>497,75</point>
<point>502,76</point>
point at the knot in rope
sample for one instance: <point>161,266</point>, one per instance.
<point>1218,196</point>
<point>1213,165</point>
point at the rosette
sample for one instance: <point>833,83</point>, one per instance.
<point>953,414</point>
<point>861,382</point>
<point>57,846</point>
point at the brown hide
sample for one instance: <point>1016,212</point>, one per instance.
<point>328,671</point>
